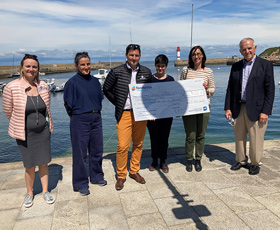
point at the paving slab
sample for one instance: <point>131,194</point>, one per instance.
<point>148,221</point>
<point>108,217</point>
<point>45,223</point>
<point>71,214</point>
<point>8,218</point>
<point>11,198</point>
<point>221,217</point>
<point>271,202</point>
<point>176,210</point>
<point>215,198</point>
<point>238,200</point>
<point>137,203</point>
<point>262,219</point>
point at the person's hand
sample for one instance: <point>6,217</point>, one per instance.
<point>263,118</point>
<point>228,113</point>
<point>152,119</point>
<point>206,87</point>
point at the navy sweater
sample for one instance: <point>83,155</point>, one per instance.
<point>82,94</point>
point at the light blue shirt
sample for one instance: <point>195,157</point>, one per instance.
<point>245,76</point>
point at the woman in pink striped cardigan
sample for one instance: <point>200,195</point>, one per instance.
<point>26,103</point>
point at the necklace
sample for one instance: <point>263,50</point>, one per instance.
<point>36,108</point>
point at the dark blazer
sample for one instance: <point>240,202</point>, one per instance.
<point>260,89</point>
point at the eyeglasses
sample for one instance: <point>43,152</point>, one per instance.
<point>133,46</point>
<point>197,54</point>
<point>30,56</point>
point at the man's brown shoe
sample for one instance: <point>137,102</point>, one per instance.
<point>137,177</point>
<point>119,184</point>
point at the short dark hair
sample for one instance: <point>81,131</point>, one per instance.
<point>132,47</point>
<point>195,48</point>
<point>79,56</point>
<point>161,59</point>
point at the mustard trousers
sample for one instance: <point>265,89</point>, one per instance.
<point>128,129</point>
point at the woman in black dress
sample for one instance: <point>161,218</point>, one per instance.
<point>159,129</point>
<point>26,103</point>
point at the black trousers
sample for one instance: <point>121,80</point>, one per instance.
<point>159,133</point>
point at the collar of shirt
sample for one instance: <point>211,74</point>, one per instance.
<point>249,63</point>
<point>128,66</point>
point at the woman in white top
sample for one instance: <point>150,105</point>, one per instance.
<point>196,125</point>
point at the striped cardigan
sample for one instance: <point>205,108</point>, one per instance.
<point>14,104</point>
<point>206,74</point>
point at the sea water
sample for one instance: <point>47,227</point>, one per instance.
<point>218,131</point>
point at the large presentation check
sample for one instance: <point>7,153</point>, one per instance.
<point>168,99</point>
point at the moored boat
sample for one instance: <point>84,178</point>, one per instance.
<point>101,74</point>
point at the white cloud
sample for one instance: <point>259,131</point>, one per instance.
<point>70,26</point>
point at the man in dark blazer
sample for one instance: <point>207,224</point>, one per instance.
<point>249,100</point>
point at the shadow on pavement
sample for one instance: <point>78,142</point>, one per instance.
<point>55,174</point>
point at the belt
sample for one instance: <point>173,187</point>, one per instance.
<point>243,101</point>
<point>127,109</point>
<point>94,111</point>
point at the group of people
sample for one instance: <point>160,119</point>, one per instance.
<point>26,103</point>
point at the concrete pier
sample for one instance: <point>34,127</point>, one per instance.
<point>215,198</point>
<point>5,71</point>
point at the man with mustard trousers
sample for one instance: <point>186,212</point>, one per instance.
<point>117,91</point>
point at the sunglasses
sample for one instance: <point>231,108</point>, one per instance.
<point>82,53</point>
<point>30,56</point>
<point>133,46</point>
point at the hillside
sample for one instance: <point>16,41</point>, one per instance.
<point>274,51</point>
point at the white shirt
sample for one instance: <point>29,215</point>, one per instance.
<point>128,104</point>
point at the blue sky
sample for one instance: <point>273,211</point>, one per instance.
<point>56,30</point>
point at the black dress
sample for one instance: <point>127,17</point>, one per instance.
<point>159,132</point>
<point>36,149</point>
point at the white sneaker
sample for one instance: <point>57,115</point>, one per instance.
<point>48,198</point>
<point>28,200</point>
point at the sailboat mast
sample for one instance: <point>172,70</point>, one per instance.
<point>192,27</point>
<point>13,64</point>
<point>130,33</point>
<point>110,51</point>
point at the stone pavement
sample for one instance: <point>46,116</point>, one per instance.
<point>215,198</point>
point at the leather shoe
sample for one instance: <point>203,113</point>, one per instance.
<point>189,166</point>
<point>254,169</point>
<point>198,166</point>
<point>137,177</point>
<point>237,166</point>
<point>119,184</point>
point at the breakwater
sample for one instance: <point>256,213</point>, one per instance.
<point>210,61</point>
<point>6,71</point>
<point>218,61</point>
